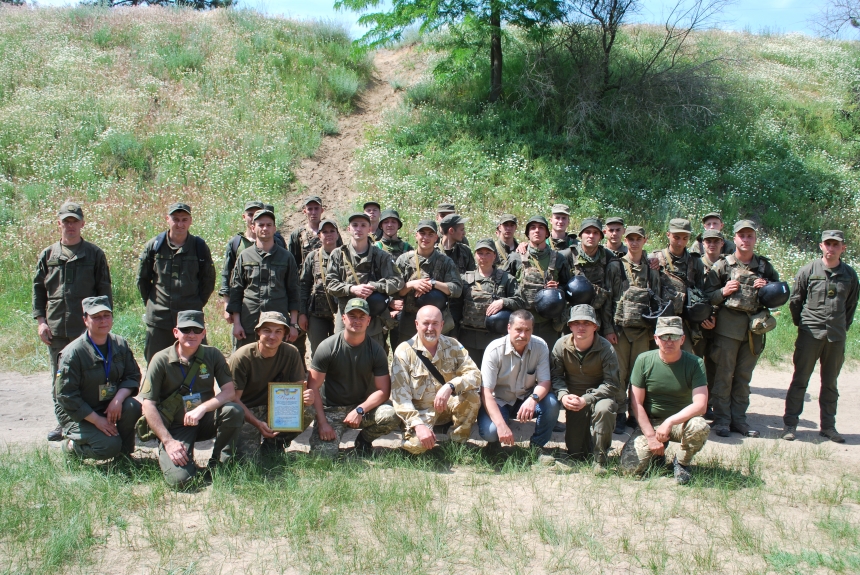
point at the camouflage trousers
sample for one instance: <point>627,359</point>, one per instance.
<point>375,423</point>
<point>692,435</point>
<point>250,440</point>
<point>461,412</point>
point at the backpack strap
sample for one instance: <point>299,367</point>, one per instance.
<point>234,244</point>
<point>159,241</point>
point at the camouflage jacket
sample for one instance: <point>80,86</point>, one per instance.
<point>436,266</point>
<point>303,241</point>
<point>621,274</point>
<point>314,298</point>
<point>733,323</point>
<point>480,291</point>
<point>594,270</point>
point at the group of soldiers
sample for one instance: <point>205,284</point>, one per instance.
<point>469,336</point>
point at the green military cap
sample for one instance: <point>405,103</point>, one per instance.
<point>272,317</point>
<point>485,244</point>
<point>744,224</point>
<point>615,220</point>
<point>328,221</point>
<point>638,230</point>
<point>505,218</point>
<point>179,207</point>
<point>561,209</point>
<point>427,224</point>
<point>833,235</point>
<point>264,212</point>
<point>452,220</point>
<point>583,312</point>
<point>680,226</point>
<point>70,210</point>
<point>190,318</point>
<point>357,303</point>
<point>311,199</point>
<point>669,326</point>
<point>590,223</point>
<point>387,214</point>
<point>356,215</point>
<point>254,205</point>
<point>708,234</point>
<point>269,207</point>
<point>92,305</point>
<point>371,203</point>
<point>712,215</point>
<point>441,208</point>
<point>537,220</point>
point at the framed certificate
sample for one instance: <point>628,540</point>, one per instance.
<point>286,406</point>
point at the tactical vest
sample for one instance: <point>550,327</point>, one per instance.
<point>534,278</point>
<point>674,282</point>
<point>501,252</point>
<point>476,299</point>
<point>308,242</point>
<point>595,273</point>
<point>745,299</point>
<point>636,300</point>
<point>320,304</point>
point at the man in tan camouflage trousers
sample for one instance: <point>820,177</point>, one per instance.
<point>423,398</point>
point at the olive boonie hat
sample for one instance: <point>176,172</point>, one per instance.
<point>712,215</point>
<point>485,244</point>
<point>332,222</point>
<point>70,210</point>
<point>638,230</point>
<point>537,220</point>
<point>387,214</point>
<point>264,212</point>
<point>505,218</point>
<point>590,223</point>
<point>711,234</point>
<point>272,317</point>
<point>356,215</point>
<point>680,226</point>
<point>669,326</point>
<point>311,199</point>
<point>744,224</point>
<point>833,235</point>
<point>371,203</point>
<point>96,304</point>
<point>614,220</point>
<point>445,208</point>
<point>583,312</point>
<point>423,224</point>
<point>254,205</point>
<point>190,318</point>
<point>179,207</point>
<point>561,209</point>
<point>357,303</point>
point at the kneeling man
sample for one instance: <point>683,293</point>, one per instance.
<point>434,381</point>
<point>254,366</point>
<point>180,403</point>
<point>516,381</point>
<point>670,394</point>
<point>354,369</point>
<point>97,379</point>
<point>585,378</point>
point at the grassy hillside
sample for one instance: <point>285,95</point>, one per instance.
<point>130,110</point>
<point>782,148</point>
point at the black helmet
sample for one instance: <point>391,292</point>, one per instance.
<point>433,297</point>
<point>498,322</point>
<point>658,309</point>
<point>549,303</point>
<point>579,290</point>
<point>697,309</point>
<point>378,303</point>
<point>774,294</point>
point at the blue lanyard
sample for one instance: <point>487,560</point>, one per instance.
<point>106,361</point>
<point>193,379</point>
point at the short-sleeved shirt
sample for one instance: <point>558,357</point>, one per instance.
<point>164,374</point>
<point>253,372</point>
<point>668,386</point>
<point>349,370</point>
<point>510,375</point>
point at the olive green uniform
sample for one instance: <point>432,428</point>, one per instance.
<point>236,246</point>
<point>463,258</point>
<point>317,305</point>
<point>172,279</point>
<point>735,349</point>
<point>503,251</point>
<point>594,270</point>
<point>702,348</point>
<point>478,293</point>
<point>82,388</point>
<point>822,306</point>
<point>436,266</point>
<point>619,253</point>
<point>303,241</point>
<point>678,274</point>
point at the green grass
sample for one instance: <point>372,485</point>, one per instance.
<point>127,111</point>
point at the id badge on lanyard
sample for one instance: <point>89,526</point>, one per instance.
<point>192,400</point>
<point>108,389</point>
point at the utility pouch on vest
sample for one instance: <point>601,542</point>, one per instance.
<point>635,303</point>
<point>762,322</point>
<point>745,299</point>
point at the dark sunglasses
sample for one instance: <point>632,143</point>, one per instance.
<point>670,337</point>
<point>197,330</point>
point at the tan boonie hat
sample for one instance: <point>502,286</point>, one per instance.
<point>357,303</point>
<point>680,226</point>
<point>190,318</point>
<point>92,305</point>
<point>272,317</point>
<point>70,210</point>
<point>638,230</point>
<point>745,224</point>
<point>669,326</point>
<point>833,235</point>
<point>583,312</point>
<point>709,234</point>
<point>560,209</point>
<point>178,207</point>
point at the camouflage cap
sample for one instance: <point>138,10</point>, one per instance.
<point>178,207</point>
<point>832,235</point>
<point>538,220</point>
<point>272,317</point>
<point>669,326</point>
<point>583,312</point>
<point>264,212</point>
<point>424,224</point>
<point>312,199</point>
<point>638,230</point>
<point>486,244</point>
<point>590,223</point>
<point>445,208</point>
<point>387,214</point>
<point>745,224</point>
<point>269,207</point>
<point>328,221</point>
<point>254,205</point>
<point>680,226</point>
<point>614,220</point>
<point>712,215</point>
<point>357,215</point>
<point>709,234</point>
<point>505,218</point>
<point>560,209</point>
<point>190,318</point>
<point>70,210</point>
<point>371,203</point>
<point>92,305</point>
<point>357,303</point>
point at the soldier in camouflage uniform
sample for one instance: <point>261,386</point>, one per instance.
<point>680,270</point>
<point>591,260</point>
<point>669,396</point>
<point>176,273</point>
<point>373,211</point>
<point>306,239</point>
<point>423,398</point>
<point>713,222</point>
<point>354,371</point>
<point>390,224</point>
<point>713,242</point>
<point>453,229</point>
<point>733,284</point>
<point>486,291</point>
<point>442,211</point>
<point>631,282</point>
<point>423,269</point>
<point>66,273</point>
<point>357,270</point>
<point>318,307</point>
<point>542,267</point>
<point>559,239</point>
<point>613,231</point>
<point>506,241</point>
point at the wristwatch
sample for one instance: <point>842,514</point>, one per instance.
<point>432,284</point>
<point>360,410</point>
<point>453,389</point>
<point>536,397</point>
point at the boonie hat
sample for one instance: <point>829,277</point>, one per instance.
<point>423,224</point>
<point>190,318</point>
<point>310,199</point>
<point>505,218</point>
<point>272,317</point>
<point>485,244</point>
<point>92,305</point>
<point>669,326</point>
<point>833,235</point>
<point>614,220</point>
<point>357,303</point>
<point>583,312</point>
<point>178,207</point>
<point>356,215</point>
<point>561,209</point>
<point>254,205</point>
<point>744,224</point>
<point>264,212</point>
<point>708,234</point>
<point>391,214</point>
<point>680,226</point>
<point>70,210</point>
<point>590,223</point>
<point>638,230</point>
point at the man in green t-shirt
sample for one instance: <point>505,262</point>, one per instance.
<point>254,366</point>
<point>354,369</point>
<point>670,394</point>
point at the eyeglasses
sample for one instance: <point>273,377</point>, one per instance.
<point>196,330</point>
<point>670,337</point>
